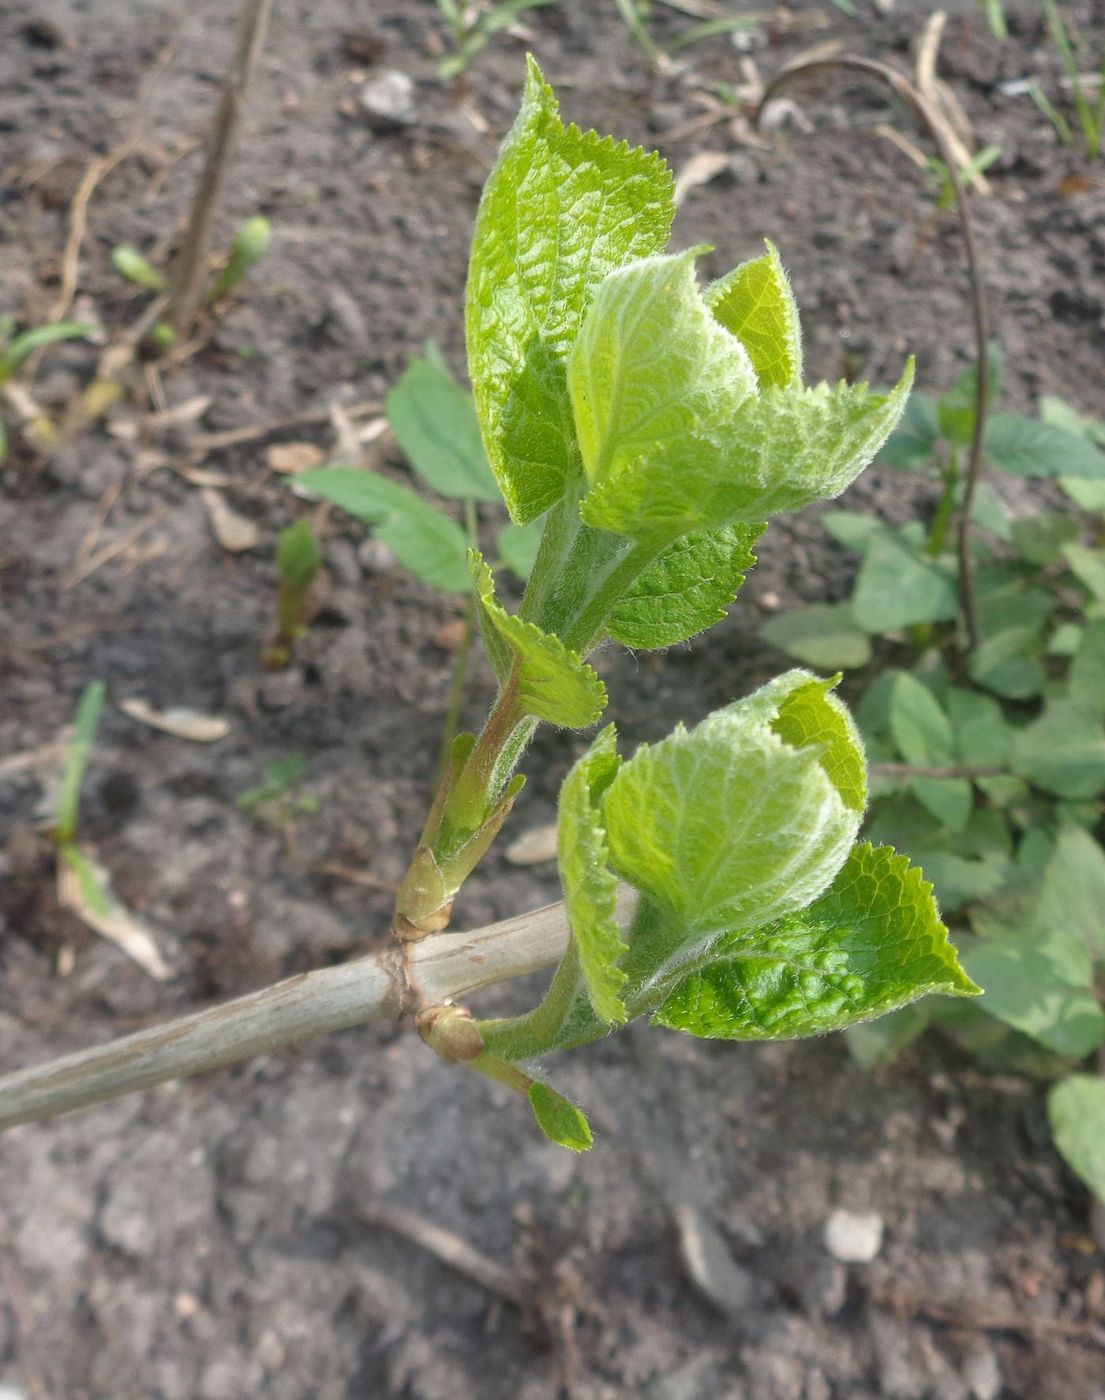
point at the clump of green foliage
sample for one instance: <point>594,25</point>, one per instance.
<point>649,427</point>
<point>992,759</point>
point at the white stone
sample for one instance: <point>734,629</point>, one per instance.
<point>853,1237</point>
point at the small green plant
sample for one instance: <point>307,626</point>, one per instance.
<point>128,262</point>
<point>979,163</point>
<point>275,798</point>
<point>995,18</point>
<point>1091,113</point>
<point>16,348</point>
<point>67,826</point>
<point>473,22</point>
<point>637,13</point>
<point>990,761</point>
<point>713,881</point>
<point>298,561</point>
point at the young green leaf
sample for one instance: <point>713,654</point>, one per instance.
<point>560,1120</point>
<point>919,725</point>
<point>85,725</point>
<point>755,302</point>
<point>434,422</point>
<point>674,435</point>
<point>872,943</point>
<point>1072,895</point>
<point>982,737</point>
<point>297,555</point>
<point>1039,982</point>
<point>1076,1110</point>
<point>956,409</point>
<point>687,589</point>
<point>17,351</point>
<point>561,209</point>
<point>590,886</point>
<point>1063,751</point>
<point>823,635</point>
<point>1086,681</point>
<point>1039,539</point>
<point>128,262</point>
<point>897,587</point>
<point>1088,567</point>
<point>552,683</point>
<point>251,243</point>
<point>1008,662</point>
<point>424,539</point>
<point>744,818</point>
<point>1027,447</point>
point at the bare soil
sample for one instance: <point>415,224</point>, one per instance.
<point>215,1239</point>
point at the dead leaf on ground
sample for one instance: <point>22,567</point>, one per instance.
<point>286,457</point>
<point>182,723</point>
<point>233,531</point>
<point>533,847</point>
<point>702,167</point>
<point>113,921</point>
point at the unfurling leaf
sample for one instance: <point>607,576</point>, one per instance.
<point>744,818</point>
<point>559,1119</point>
<point>434,422</point>
<point>687,589</point>
<point>425,539</point>
<point>872,943</point>
<point>552,682</point>
<point>590,886</point>
<point>561,209</point>
<point>675,432</point>
<point>756,304</point>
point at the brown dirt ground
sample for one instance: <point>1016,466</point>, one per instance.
<point>211,1239</point>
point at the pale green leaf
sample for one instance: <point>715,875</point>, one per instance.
<point>560,1120</point>
<point>1088,567</point>
<point>872,943</point>
<point>687,589</point>
<point>1039,983</point>
<point>1063,751</point>
<point>874,1043</point>
<point>1040,538</point>
<point>982,737</point>
<point>18,349</point>
<point>518,546</point>
<point>434,422</point>
<point>550,682</point>
<point>853,529</point>
<point>128,262</point>
<point>673,436</point>
<point>755,302</point>
<point>85,724</point>
<point>918,723</point>
<point>912,444</point>
<point>1085,492</point>
<point>1086,682</point>
<point>590,886</point>
<point>1027,447</point>
<point>1008,662</point>
<point>1072,896</point>
<point>297,555</point>
<point>1076,1110</point>
<point>897,587</point>
<point>950,800</point>
<point>823,635</point>
<point>423,538</point>
<point>561,209</point>
<point>729,824</point>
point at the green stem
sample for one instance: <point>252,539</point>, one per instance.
<point>945,510</point>
<point>521,1037</point>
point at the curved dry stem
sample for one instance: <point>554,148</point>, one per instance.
<point>934,124</point>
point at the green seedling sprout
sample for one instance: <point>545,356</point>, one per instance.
<point>128,262</point>
<point>1091,115</point>
<point>473,23</point>
<point>15,349</point>
<point>713,881</point>
<point>995,18</point>
<point>250,245</point>
<point>67,825</point>
<point>978,164</point>
<point>279,779</point>
<point>298,561</point>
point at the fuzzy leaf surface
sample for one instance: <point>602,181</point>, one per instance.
<point>674,435</point>
<point>872,943</point>
<point>425,540</point>
<point>561,209</point>
<point>738,821</point>
<point>434,422</point>
<point>590,886</point>
<point>559,1119</point>
<point>687,589</point>
<point>755,302</point>
<point>552,682</point>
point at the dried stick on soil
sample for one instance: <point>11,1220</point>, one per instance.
<point>936,126</point>
<point>188,275</point>
<point>383,986</point>
<point>454,1252</point>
